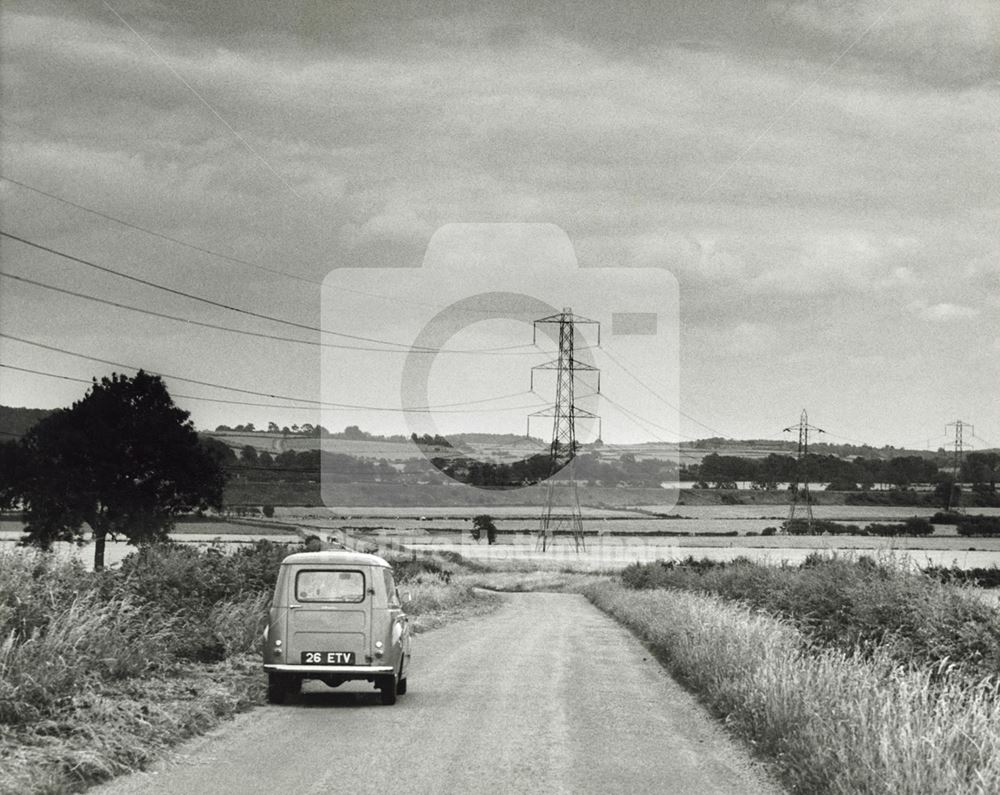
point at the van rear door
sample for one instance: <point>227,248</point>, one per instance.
<point>329,616</point>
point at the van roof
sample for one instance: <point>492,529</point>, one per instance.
<point>334,557</point>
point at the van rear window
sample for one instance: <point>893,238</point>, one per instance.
<point>330,586</point>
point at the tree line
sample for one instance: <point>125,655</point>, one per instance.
<point>350,433</point>
<point>978,468</point>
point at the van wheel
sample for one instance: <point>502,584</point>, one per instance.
<point>277,688</point>
<point>401,687</point>
<point>387,687</point>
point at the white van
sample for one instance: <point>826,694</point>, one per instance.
<point>336,616</point>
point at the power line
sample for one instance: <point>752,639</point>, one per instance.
<point>162,236</point>
<point>258,334</point>
<point>793,103</point>
<point>229,257</point>
<point>445,408</point>
<point>660,397</point>
<point>176,395</point>
<point>205,102</point>
<point>220,305</point>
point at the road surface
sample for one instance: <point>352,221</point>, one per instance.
<point>548,694</point>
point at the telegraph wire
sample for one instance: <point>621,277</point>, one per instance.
<point>259,334</point>
<point>660,397</point>
<point>205,102</point>
<point>645,424</point>
<point>227,257</point>
<point>237,402</point>
<point>249,312</point>
<point>175,395</point>
<point>161,235</point>
<point>442,408</point>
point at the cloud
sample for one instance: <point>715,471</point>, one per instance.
<point>802,204</point>
<point>944,312</point>
<point>940,43</point>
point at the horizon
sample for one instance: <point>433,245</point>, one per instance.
<point>236,427</point>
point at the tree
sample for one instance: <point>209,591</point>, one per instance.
<point>123,460</point>
<point>947,493</point>
<point>484,524</point>
<point>248,455</point>
<point>12,468</point>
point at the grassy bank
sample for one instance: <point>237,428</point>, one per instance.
<point>100,672</point>
<point>850,603</point>
<point>831,721</point>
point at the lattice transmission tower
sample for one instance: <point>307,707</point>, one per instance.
<point>800,476</point>
<point>562,501</point>
<point>960,427</point>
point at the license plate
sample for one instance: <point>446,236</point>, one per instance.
<point>328,658</point>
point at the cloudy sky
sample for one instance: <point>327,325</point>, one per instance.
<point>821,179</point>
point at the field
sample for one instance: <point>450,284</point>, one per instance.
<point>615,537</point>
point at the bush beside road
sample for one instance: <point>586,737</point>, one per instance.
<point>101,672</point>
<point>831,721</point>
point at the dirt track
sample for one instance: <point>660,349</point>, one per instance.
<point>546,695</point>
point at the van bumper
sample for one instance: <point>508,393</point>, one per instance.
<point>347,671</point>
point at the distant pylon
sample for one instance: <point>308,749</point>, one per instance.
<point>800,477</point>
<point>563,514</point>
<point>959,445</point>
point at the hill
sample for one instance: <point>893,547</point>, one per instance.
<point>15,422</point>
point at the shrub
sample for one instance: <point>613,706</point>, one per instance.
<point>86,639</point>
<point>969,524</point>
<point>832,722</point>
<point>915,526</point>
<point>36,585</point>
<point>848,604</point>
<point>980,577</point>
<point>799,527</point>
<point>891,497</point>
<point>408,569</point>
<point>978,525</point>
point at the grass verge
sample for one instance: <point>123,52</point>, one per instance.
<point>109,728</point>
<point>101,672</point>
<point>830,721</point>
<point>848,603</point>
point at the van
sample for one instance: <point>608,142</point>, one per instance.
<point>336,616</point>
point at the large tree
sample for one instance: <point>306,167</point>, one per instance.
<point>123,460</point>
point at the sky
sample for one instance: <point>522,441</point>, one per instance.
<point>805,193</point>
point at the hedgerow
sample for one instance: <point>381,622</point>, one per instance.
<point>849,604</point>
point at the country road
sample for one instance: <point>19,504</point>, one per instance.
<point>548,694</point>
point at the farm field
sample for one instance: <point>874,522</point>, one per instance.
<point>614,538</point>
<point>602,554</point>
<point>198,534</point>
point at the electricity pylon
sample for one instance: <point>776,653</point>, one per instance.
<point>803,428</point>
<point>960,427</point>
<point>563,514</point>
<point>959,446</point>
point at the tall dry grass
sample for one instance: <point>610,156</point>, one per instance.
<point>435,600</point>
<point>96,673</point>
<point>846,602</point>
<point>831,721</point>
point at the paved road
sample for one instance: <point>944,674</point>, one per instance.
<point>546,695</point>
